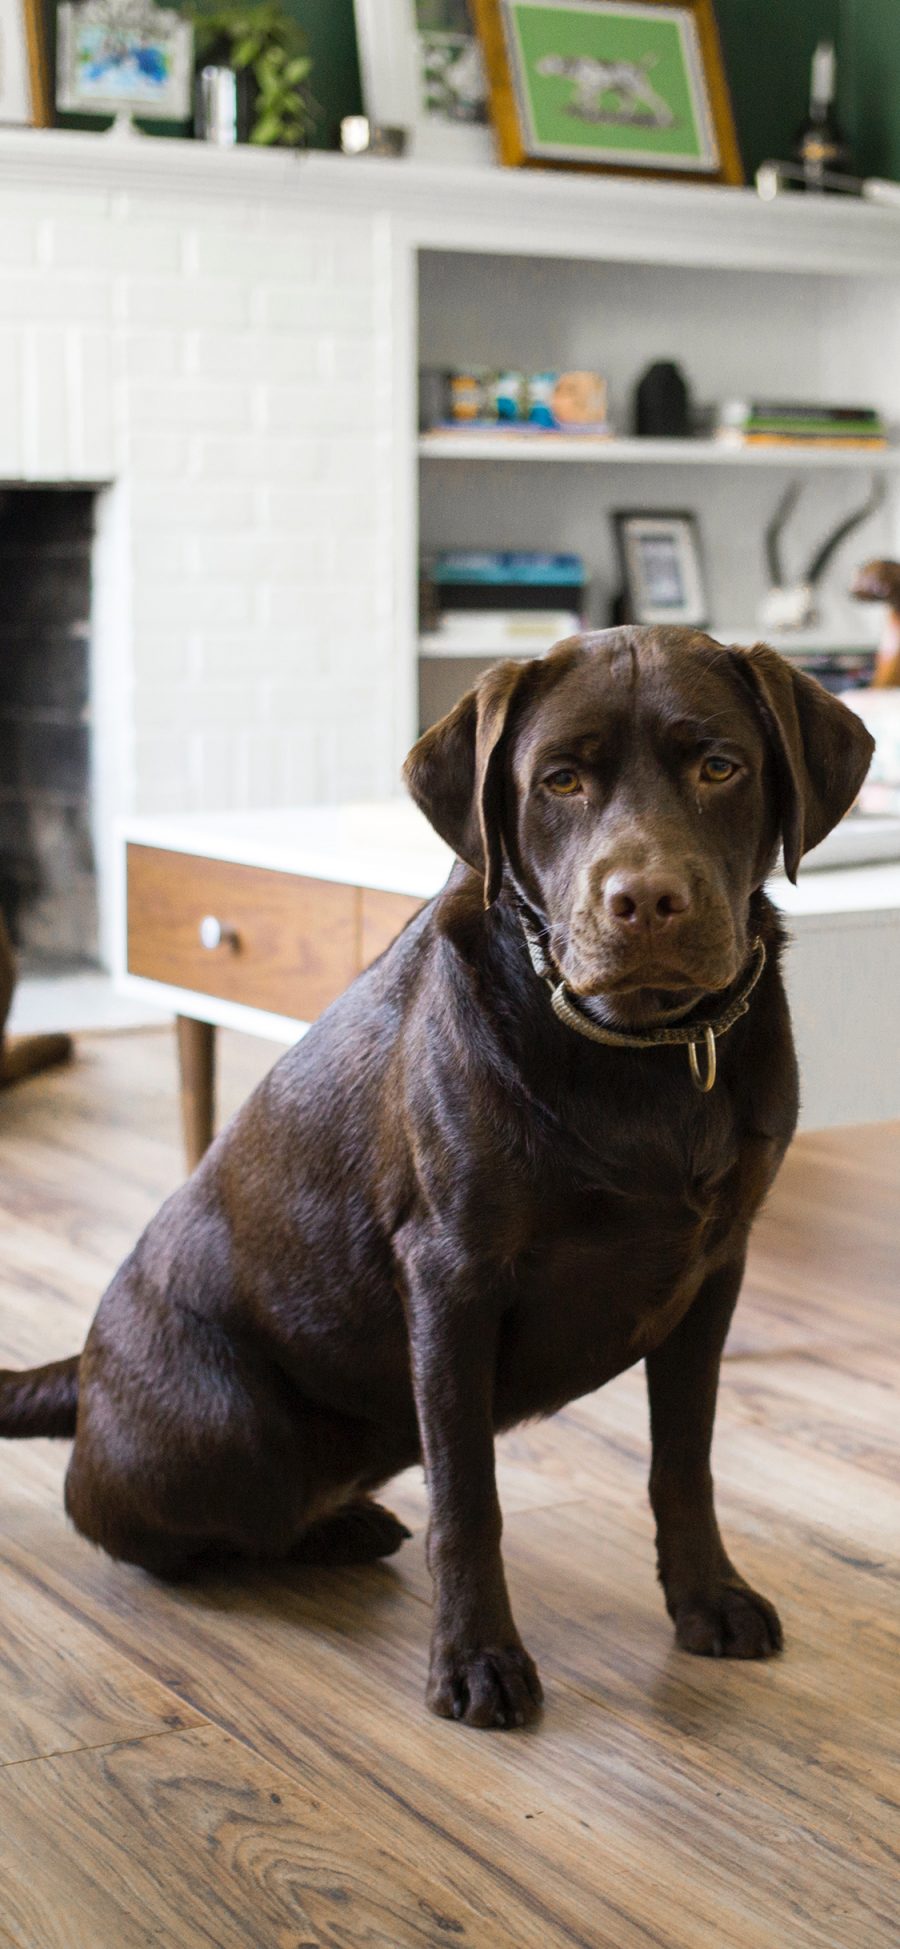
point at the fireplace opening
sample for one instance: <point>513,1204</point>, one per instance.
<point>48,882</point>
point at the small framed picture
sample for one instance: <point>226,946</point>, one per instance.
<point>422,71</point>
<point>633,85</point>
<point>124,57</point>
<point>24,86</point>
<point>661,570</point>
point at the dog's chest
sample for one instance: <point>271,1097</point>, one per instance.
<point>615,1270</point>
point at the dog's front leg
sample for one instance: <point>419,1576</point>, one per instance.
<point>714,1610</point>
<point>479,1670</point>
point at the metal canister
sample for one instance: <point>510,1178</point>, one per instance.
<point>216,106</point>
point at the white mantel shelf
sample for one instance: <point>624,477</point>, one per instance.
<point>588,449</point>
<point>549,213</point>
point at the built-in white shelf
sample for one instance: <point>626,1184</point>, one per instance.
<point>809,642</point>
<point>600,452</point>
<point>433,649</point>
<point>803,642</point>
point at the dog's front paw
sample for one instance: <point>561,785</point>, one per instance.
<point>732,1621</point>
<point>490,1685</point>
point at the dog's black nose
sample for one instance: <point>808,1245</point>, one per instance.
<point>646,902</point>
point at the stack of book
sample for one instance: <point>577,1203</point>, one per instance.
<point>498,602</point>
<point>782,423</point>
<point>836,670</point>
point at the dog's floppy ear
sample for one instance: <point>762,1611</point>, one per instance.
<point>455,773</point>
<point>822,749</point>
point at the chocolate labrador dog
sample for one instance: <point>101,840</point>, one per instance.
<point>521,1153</point>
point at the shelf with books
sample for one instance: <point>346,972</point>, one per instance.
<point>604,451</point>
<point>810,643</point>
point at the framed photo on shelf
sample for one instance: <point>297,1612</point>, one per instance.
<point>422,71</point>
<point>662,576</point>
<point>629,85</point>
<point>124,57</point>
<point>24,81</point>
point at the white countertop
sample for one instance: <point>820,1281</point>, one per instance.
<point>389,845</point>
<point>385,844</point>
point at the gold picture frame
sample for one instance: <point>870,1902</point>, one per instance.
<point>24,67</point>
<point>632,87</point>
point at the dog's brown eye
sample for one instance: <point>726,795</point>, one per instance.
<point>564,782</point>
<point>716,770</point>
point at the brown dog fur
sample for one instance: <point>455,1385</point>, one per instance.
<point>444,1211</point>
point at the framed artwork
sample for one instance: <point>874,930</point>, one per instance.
<point>123,58</point>
<point>422,70</point>
<point>633,85</point>
<point>24,84</point>
<point>661,572</point>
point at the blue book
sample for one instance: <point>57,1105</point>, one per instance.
<point>509,568</point>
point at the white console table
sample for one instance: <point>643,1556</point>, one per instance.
<point>305,898</point>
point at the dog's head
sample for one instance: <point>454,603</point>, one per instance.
<point>634,786</point>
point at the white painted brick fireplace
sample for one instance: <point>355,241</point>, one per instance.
<point>220,366</point>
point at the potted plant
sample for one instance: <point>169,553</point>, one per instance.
<point>268,52</point>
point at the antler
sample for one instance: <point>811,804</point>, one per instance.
<point>823,555</point>
<point>775,530</point>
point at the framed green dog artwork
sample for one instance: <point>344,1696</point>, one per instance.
<point>629,85</point>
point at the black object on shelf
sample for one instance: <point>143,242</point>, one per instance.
<point>662,403</point>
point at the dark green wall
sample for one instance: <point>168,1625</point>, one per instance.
<point>768,46</point>
<point>870,34</point>
<point>335,76</point>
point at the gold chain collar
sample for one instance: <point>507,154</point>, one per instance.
<point>695,1035</point>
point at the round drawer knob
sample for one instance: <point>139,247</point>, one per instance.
<point>217,933</point>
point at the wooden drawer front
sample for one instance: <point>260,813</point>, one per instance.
<point>381,919</point>
<point>297,940</point>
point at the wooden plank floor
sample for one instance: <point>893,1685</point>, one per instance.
<point>251,1763</point>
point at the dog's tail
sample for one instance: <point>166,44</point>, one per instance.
<point>41,1401</point>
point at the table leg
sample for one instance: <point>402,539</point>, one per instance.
<point>197,1067</point>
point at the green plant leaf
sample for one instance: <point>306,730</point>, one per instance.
<point>266,131</point>
<point>245,52</point>
<point>268,41</point>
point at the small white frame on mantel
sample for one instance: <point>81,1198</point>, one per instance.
<point>389,67</point>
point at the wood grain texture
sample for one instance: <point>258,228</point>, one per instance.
<point>250,1857</point>
<point>56,1696</point>
<point>197,1085</point>
<point>663,1800</point>
<point>297,939</point>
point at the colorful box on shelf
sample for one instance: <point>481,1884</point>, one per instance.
<point>507,579</point>
<point>550,402</point>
